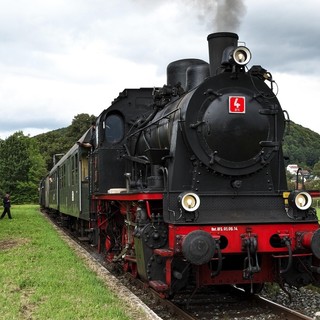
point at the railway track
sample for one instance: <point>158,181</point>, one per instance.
<point>224,304</point>
<point>227,303</point>
<point>206,303</point>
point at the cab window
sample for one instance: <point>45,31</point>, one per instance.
<point>114,128</point>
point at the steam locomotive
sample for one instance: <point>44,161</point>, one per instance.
<point>186,184</point>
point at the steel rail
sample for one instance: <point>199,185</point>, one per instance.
<point>287,313</point>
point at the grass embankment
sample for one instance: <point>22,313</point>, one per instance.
<point>42,278</point>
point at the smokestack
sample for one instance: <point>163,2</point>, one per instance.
<point>218,42</point>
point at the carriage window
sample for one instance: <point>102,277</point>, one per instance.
<point>114,128</point>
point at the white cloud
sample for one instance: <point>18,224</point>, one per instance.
<point>298,96</point>
<point>61,58</point>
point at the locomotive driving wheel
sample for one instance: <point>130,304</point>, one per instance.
<point>131,267</point>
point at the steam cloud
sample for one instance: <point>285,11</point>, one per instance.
<point>220,15</point>
<point>217,15</point>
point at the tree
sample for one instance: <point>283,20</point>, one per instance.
<point>51,143</point>
<point>21,168</point>
<point>61,140</point>
<point>316,169</point>
<point>80,124</point>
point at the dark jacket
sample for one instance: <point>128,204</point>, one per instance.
<point>6,202</point>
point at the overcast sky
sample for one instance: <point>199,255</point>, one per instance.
<point>59,58</point>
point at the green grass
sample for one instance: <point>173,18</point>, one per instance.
<point>42,278</point>
<point>315,204</point>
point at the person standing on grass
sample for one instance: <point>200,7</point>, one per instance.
<point>6,205</point>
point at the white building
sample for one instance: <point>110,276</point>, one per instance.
<point>292,168</point>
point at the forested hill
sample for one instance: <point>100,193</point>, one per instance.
<point>301,146</point>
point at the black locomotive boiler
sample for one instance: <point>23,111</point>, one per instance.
<point>187,185</point>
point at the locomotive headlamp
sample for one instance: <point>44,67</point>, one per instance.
<point>300,200</point>
<point>241,56</point>
<point>189,201</point>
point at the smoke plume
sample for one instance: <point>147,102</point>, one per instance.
<point>216,15</point>
<point>220,15</point>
